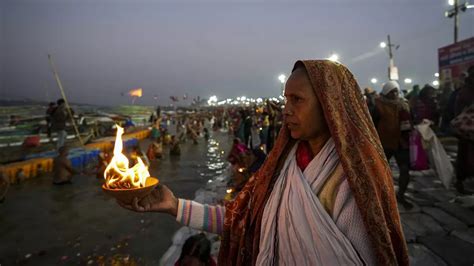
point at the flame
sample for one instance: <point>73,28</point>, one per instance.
<point>118,174</point>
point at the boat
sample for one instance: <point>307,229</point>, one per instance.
<point>16,153</point>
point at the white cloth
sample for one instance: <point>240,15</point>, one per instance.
<point>295,221</point>
<point>389,86</point>
<point>439,158</point>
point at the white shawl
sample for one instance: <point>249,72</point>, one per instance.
<point>295,222</point>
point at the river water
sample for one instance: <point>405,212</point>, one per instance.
<point>42,224</point>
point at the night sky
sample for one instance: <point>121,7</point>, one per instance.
<point>103,48</point>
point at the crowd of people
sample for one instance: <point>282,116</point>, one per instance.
<point>322,182</point>
<point>395,114</point>
<point>326,182</point>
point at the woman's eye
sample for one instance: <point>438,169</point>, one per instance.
<point>293,99</point>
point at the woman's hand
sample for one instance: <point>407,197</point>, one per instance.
<point>160,199</point>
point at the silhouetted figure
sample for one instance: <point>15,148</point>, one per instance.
<point>58,122</point>
<point>62,168</point>
<point>49,117</point>
<point>196,251</point>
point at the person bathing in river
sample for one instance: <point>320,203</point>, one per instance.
<point>62,168</point>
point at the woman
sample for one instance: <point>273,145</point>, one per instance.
<point>324,196</point>
<point>175,149</point>
<point>237,152</point>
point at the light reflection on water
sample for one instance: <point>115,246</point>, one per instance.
<point>215,160</point>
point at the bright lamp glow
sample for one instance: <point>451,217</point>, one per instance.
<point>451,2</point>
<point>435,83</point>
<point>282,78</point>
<point>383,44</point>
<point>212,100</point>
<point>436,75</point>
<point>408,81</point>
<point>373,81</point>
<point>334,57</point>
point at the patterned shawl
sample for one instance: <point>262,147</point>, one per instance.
<point>361,156</point>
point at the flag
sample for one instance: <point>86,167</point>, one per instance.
<point>174,98</point>
<point>136,92</point>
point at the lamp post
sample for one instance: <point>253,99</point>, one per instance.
<point>282,79</point>
<point>392,69</point>
<point>436,81</point>
<point>454,12</point>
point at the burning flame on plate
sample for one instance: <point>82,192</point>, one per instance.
<point>118,175</point>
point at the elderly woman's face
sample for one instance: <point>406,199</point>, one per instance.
<point>303,114</point>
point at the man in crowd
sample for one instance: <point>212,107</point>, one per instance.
<point>391,118</point>
<point>370,96</point>
<point>465,158</point>
<point>425,106</point>
<point>49,114</point>
<point>58,122</point>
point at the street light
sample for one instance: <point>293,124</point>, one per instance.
<point>435,83</point>
<point>392,69</point>
<point>454,12</point>
<point>436,75</point>
<point>408,81</point>
<point>373,81</point>
<point>334,57</point>
<point>282,79</point>
<point>212,100</point>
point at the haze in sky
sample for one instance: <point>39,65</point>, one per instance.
<point>103,48</point>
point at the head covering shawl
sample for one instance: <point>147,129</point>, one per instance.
<point>361,156</point>
<point>389,86</point>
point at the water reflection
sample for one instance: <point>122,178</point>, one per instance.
<point>215,161</point>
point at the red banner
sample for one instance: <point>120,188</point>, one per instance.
<point>454,59</point>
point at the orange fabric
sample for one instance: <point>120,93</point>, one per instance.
<point>363,162</point>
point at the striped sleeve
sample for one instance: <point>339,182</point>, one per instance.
<point>201,216</point>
